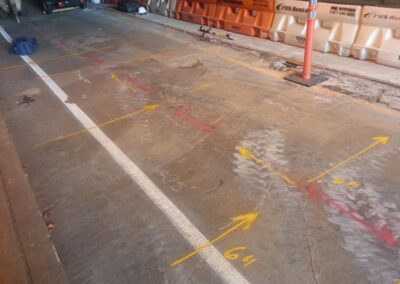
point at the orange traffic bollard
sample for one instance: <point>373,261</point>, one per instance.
<point>312,14</point>
<point>308,79</point>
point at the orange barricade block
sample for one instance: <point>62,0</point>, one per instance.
<point>215,15</point>
<point>194,11</point>
<point>249,17</point>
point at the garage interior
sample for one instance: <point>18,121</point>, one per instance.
<point>140,148</point>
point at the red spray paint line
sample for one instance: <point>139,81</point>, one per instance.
<point>384,233</point>
<point>44,32</point>
<point>34,23</point>
<point>94,60</point>
<point>138,85</point>
<point>64,44</point>
<point>193,121</point>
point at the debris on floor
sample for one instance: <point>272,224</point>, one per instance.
<point>50,226</point>
<point>370,91</point>
<point>24,45</point>
<point>284,66</point>
<point>142,11</point>
<point>26,100</point>
<point>374,92</point>
<point>208,31</point>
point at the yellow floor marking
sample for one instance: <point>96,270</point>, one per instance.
<point>233,256</point>
<point>106,47</point>
<point>70,72</point>
<point>255,68</point>
<point>56,58</point>
<point>379,140</point>
<point>249,155</point>
<point>122,83</point>
<point>59,57</point>
<point>141,40</point>
<point>18,66</point>
<point>248,260</point>
<point>245,221</point>
<point>146,109</point>
<point>212,51</point>
<point>95,67</point>
<point>204,86</point>
<point>353,184</point>
<point>339,180</point>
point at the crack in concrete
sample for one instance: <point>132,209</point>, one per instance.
<point>308,242</point>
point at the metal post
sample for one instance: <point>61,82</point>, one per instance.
<point>312,14</point>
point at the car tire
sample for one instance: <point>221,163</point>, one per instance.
<point>48,6</point>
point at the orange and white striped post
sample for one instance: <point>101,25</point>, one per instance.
<point>312,14</point>
<point>308,79</point>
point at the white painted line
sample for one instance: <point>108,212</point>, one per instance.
<point>211,255</point>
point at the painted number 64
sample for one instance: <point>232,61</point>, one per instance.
<point>232,255</point>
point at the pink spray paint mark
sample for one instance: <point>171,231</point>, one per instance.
<point>193,121</point>
<point>92,59</point>
<point>64,44</point>
<point>138,85</point>
<point>384,233</point>
<point>45,32</point>
<point>34,24</point>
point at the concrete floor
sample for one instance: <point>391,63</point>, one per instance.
<point>214,103</point>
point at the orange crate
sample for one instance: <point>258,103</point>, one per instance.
<point>193,11</point>
<point>249,17</point>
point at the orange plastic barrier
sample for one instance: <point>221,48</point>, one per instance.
<point>194,11</point>
<point>215,15</point>
<point>250,17</point>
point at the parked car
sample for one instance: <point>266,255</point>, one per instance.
<point>50,5</point>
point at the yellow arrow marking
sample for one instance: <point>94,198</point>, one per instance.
<point>339,180</point>
<point>146,109</point>
<point>379,140</point>
<point>199,88</point>
<point>353,184</point>
<point>122,83</point>
<point>244,220</point>
<point>249,155</point>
